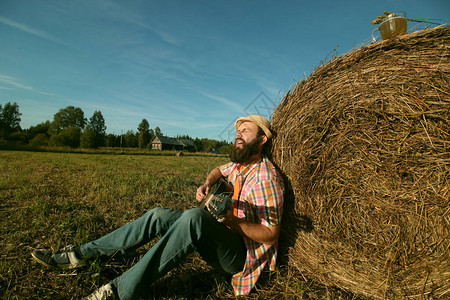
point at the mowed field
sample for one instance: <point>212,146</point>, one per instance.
<point>49,200</point>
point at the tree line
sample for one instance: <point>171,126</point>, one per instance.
<point>70,128</point>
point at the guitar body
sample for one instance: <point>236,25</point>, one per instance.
<point>218,201</point>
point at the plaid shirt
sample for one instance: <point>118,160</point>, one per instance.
<point>261,202</point>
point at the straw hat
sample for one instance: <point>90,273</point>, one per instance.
<point>258,120</point>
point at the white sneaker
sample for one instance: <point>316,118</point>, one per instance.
<point>103,293</point>
<point>64,258</point>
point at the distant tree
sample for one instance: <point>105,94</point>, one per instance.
<point>158,131</point>
<point>142,140</point>
<point>98,122</point>
<point>1,121</point>
<point>9,119</point>
<point>130,139</point>
<point>209,145</point>
<point>18,137</point>
<point>41,128</point>
<point>88,137</point>
<point>184,137</point>
<point>68,117</point>
<point>67,137</point>
<point>144,134</point>
<point>39,140</point>
<point>56,140</point>
<point>144,126</point>
<point>98,127</point>
<point>206,145</point>
<point>112,140</point>
<point>198,145</point>
<point>225,149</point>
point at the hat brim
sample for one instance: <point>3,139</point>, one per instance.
<point>259,123</point>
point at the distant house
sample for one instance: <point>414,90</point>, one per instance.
<point>160,142</point>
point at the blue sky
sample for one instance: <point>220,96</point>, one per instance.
<point>188,67</point>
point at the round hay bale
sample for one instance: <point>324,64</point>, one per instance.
<point>364,143</point>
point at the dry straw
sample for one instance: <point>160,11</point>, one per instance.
<point>364,142</point>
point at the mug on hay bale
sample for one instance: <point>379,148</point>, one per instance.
<point>365,144</point>
<point>393,25</point>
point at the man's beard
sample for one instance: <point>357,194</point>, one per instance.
<point>248,150</point>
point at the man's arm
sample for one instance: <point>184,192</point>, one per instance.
<point>203,190</point>
<point>270,195</point>
<point>256,232</point>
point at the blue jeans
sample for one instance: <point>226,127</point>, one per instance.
<point>182,233</point>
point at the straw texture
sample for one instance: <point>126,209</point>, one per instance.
<point>365,144</point>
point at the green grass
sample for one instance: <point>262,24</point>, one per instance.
<point>48,200</point>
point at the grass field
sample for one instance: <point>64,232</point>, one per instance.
<point>48,200</point>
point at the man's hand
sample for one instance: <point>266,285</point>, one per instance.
<point>213,176</point>
<point>202,191</point>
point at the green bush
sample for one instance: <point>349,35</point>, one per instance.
<point>40,139</point>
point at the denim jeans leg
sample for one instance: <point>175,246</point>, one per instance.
<point>194,230</point>
<point>154,223</point>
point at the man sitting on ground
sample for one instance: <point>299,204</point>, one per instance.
<point>241,245</point>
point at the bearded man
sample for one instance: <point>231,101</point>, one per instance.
<point>242,244</point>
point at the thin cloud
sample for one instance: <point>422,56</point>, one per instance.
<point>164,35</point>
<point>30,30</point>
<point>121,13</point>
<point>14,82</point>
<point>234,106</point>
<point>9,80</point>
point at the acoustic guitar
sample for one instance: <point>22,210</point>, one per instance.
<point>219,201</point>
